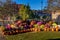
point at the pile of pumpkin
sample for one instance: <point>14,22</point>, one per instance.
<point>17,27</point>
<point>32,26</point>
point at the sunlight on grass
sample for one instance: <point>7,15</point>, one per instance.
<point>34,36</point>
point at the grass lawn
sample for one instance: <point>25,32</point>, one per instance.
<point>35,36</point>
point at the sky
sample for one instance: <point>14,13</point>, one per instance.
<point>34,4</point>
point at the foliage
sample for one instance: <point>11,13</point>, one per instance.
<point>33,15</point>
<point>8,9</point>
<point>24,12</point>
<point>53,5</point>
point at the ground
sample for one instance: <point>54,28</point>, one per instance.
<point>35,36</point>
<point>1,36</point>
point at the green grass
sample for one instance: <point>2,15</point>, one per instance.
<point>34,36</point>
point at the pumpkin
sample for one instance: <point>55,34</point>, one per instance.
<point>41,26</point>
<point>38,29</point>
<point>12,26</point>
<point>24,30</point>
<point>52,29</point>
<point>19,21</point>
<point>45,29</point>
<point>10,32</point>
<point>3,33</point>
<point>28,30</point>
<point>19,31</point>
<point>2,28</point>
<point>16,31</point>
<point>31,29</point>
<point>21,27</point>
<point>8,26</point>
<point>39,23</point>
<point>47,25</point>
<point>48,29</point>
<point>32,22</point>
<point>7,33</point>
<point>57,29</point>
<point>50,22</point>
<point>35,26</point>
<point>35,29</point>
<point>54,25</point>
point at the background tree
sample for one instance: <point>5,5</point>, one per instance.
<point>9,9</point>
<point>24,12</point>
<point>53,5</point>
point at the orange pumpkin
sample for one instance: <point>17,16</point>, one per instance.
<point>31,29</point>
<point>19,21</point>
<point>24,30</point>
<point>35,29</point>
<point>48,29</point>
<point>56,29</point>
<point>17,31</point>
<point>38,29</point>
<point>21,30</point>
<point>52,29</point>
<point>45,29</point>
<point>14,32</point>
<point>10,32</point>
<point>3,33</point>
<point>28,30</point>
<point>32,22</point>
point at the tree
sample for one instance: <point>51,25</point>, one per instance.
<point>32,16</point>
<point>53,5</point>
<point>24,12</point>
<point>8,9</point>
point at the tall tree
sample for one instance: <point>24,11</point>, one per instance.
<point>9,9</point>
<point>24,12</point>
<point>53,5</point>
